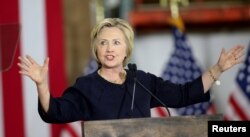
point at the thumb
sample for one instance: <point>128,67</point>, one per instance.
<point>46,63</point>
<point>223,51</point>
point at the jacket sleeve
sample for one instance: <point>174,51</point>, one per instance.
<point>71,106</point>
<point>178,95</point>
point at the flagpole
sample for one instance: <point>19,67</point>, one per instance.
<point>174,6</point>
<point>99,10</point>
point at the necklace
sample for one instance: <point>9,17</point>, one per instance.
<point>120,80</point>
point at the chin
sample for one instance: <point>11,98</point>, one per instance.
<point>112,65</point>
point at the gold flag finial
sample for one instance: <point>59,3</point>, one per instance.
<point>174,6</point>
<point>99,10</point>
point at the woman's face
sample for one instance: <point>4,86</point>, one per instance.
<point>111,47</point>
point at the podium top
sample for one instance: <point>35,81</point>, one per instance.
<point>188,126</point>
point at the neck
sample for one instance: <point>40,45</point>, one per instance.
<point>116,76</point>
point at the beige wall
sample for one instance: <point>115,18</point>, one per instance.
<point>77,22</point>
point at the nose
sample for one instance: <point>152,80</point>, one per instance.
<point>109,48</point>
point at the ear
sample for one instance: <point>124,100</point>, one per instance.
<point>124,60</point>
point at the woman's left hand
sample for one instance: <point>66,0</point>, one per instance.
<point>228,59</point>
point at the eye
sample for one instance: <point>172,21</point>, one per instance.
<point>116,42</point>
<point>103,42</point>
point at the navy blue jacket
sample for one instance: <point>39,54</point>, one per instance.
<point>94,98</point>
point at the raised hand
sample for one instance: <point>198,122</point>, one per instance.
<point>33,70</point>
<point>228,59</point>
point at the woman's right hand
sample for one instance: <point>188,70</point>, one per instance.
<point>33,70</point>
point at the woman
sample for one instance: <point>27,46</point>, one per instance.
<point>109,92</point>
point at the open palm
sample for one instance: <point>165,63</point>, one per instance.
<point>228,59</point>
<point>29,67</point>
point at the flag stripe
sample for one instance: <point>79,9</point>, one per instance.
<point>1,107</point>
<point>56,47</point>
<point>161,111</point>
<point>33,43</point>
<point>231,113</point>
<point>237,108</point>
<point>211,110</point>
<point>243,103</point>
<point>12,98</point>
<point>11,81</point>
<point>70,129</point>
<point>57,78</point>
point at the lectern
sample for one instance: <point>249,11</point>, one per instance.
<point>175,126</point>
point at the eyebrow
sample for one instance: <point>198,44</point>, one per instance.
<point>107,40</point>
<point>117,39</point>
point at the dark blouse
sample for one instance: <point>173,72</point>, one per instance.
<point>94,98</point>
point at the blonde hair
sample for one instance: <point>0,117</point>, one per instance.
<point>123,26</point>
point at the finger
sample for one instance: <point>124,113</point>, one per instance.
<point>232,50</point>
<point>23,67</point>
<point>24,73</point>
<point>222,52</point>
<point>24,61</point>
<point>238,61</point>
<point>238,50</point>
<point>233,53</point>
<point>31,59</point>
<point>240,54</point>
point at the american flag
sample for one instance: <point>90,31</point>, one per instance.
<point>181,68</point>
<point>239,100</point>
<point>91,67</point>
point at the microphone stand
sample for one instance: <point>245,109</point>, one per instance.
<point>155,97</point>
<point>132,68</point>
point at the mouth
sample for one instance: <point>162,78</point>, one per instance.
<point>109,57</point>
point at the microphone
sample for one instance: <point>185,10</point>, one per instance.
<point>133,69</point>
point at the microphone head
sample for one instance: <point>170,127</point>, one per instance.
<point>132,67</point>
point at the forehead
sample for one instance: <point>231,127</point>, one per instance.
<point>111,32</point>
